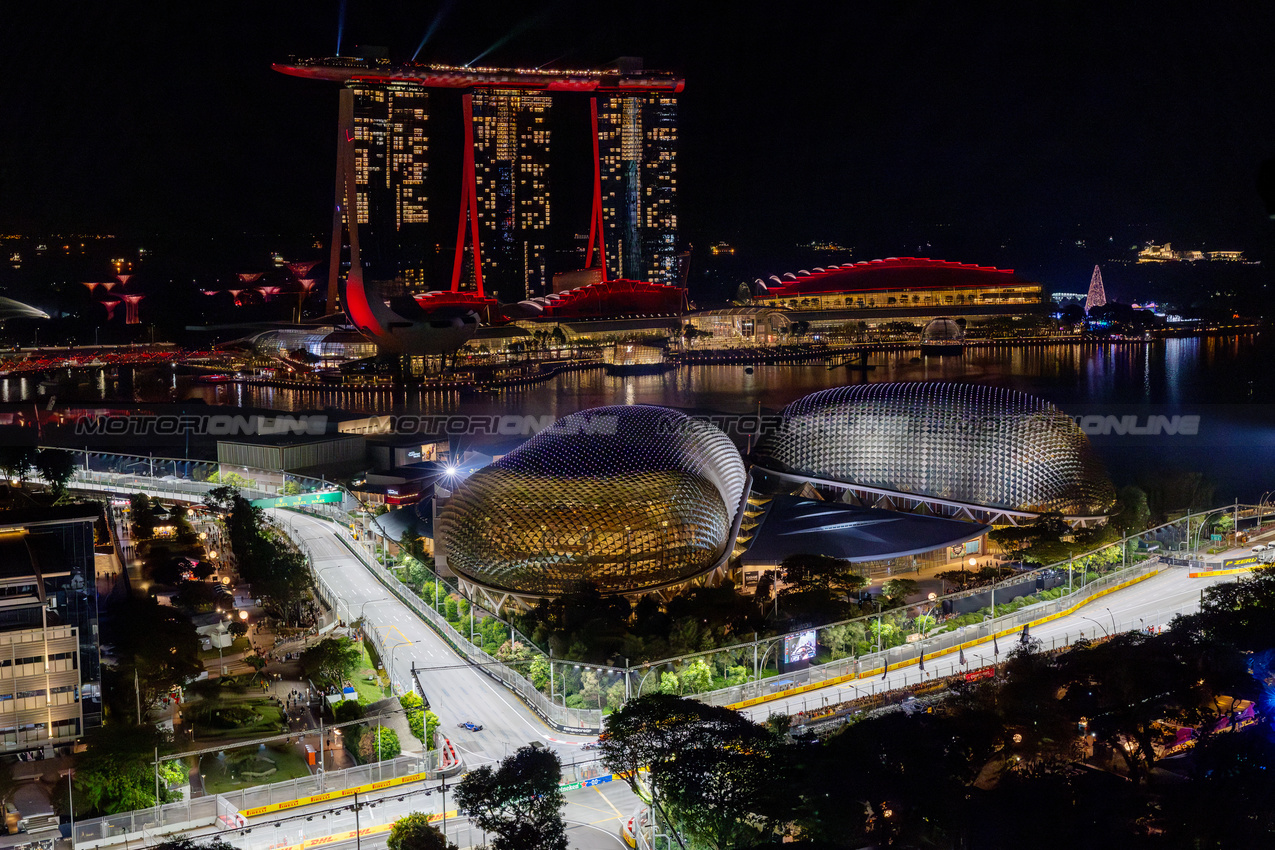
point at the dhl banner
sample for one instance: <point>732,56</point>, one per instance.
<point>332,795</point>
<point>338,837</point>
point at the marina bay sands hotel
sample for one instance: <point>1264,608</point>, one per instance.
<point>399,172</point>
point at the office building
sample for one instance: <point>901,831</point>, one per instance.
<point>637,145</point>
<point>511,157</point>
<point>50,666</point>
<point>513,123</point>
<point>391,164</point>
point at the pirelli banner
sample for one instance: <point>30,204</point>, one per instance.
<point>332,795</point>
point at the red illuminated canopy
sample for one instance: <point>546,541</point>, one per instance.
<point>891,273</point>
<point>343,70</point>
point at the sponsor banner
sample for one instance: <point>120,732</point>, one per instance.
<point>1212,573</point>
<point>587,783</point>
<point>338,837</point>
<point>319,498</point>
<point>981,673</point>
<point>837,680</point>
<point>332,795</point>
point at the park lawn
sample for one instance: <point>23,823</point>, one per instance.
<point>241,644</point>
<point>288,761</point>
<point>269,720</point>
<point>369,692</point>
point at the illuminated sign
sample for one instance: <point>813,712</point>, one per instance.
<point>317,498</point>
<point>799,647</point>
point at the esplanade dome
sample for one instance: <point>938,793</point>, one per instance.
<point>626,497</point>
<point>965,444</point>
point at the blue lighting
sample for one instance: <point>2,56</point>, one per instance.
<point>433,25</point>
<point>340,27</point>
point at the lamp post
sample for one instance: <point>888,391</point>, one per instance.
<point>1098,624</point>
<point>393,649</point>
<point>370,602</point>
<point>1113,621</point>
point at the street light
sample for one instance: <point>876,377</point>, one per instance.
<point>370,602</point>
<point>1098,624</point>
<point>393,649</point>
<point>1113,622</point>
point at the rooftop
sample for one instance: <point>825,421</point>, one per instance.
<point>798,525</point>
<point>346,69</point>
<point>890,273</point>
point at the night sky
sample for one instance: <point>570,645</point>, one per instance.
<point>993,132</point>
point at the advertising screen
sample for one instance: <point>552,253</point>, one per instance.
<point>799,647</point>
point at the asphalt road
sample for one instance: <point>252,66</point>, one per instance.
<point>457,691</point>
<point>1150,603</point>
<point>593,817</point>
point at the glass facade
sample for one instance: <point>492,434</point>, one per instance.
<point>511,162</point>
<point>391,164</point>
<point>628,498</point>
<point>976,445</point>
<point>637,145</point>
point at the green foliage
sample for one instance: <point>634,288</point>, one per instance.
<point>897,590</point>
<point>715,773</point>
<point>277,573</point>
<point>615,695</point>
<point>152,644</point>
<point>220,499</point>
<point>518,803</point>
<point>184,843</point>
<point>232,479</point>
<point>173,772</point>
<point>539,673</point>
<point>696,677</point>
<point>115,774</point>
<point>452,610</point>
<point>803,572</point>
<point>347,710</point>
<point>1133,512</point>
<point>57,467</point>
<point>414,709</point>
<point>431,727</point>
<point>415,832</point>
<point>331,661</point>
<point>379,743</point>
<point>669,684</point>
<point>17,461</point>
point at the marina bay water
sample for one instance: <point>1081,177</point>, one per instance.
<point>1118,391</point>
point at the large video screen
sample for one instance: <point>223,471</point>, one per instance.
<point>799,647</point>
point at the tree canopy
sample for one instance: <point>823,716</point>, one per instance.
<point>518,802</point>
<point>331,660</point>
<point>415,832</point>
<point>155,643</point>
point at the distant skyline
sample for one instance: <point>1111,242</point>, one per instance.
<point>987,134</point>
